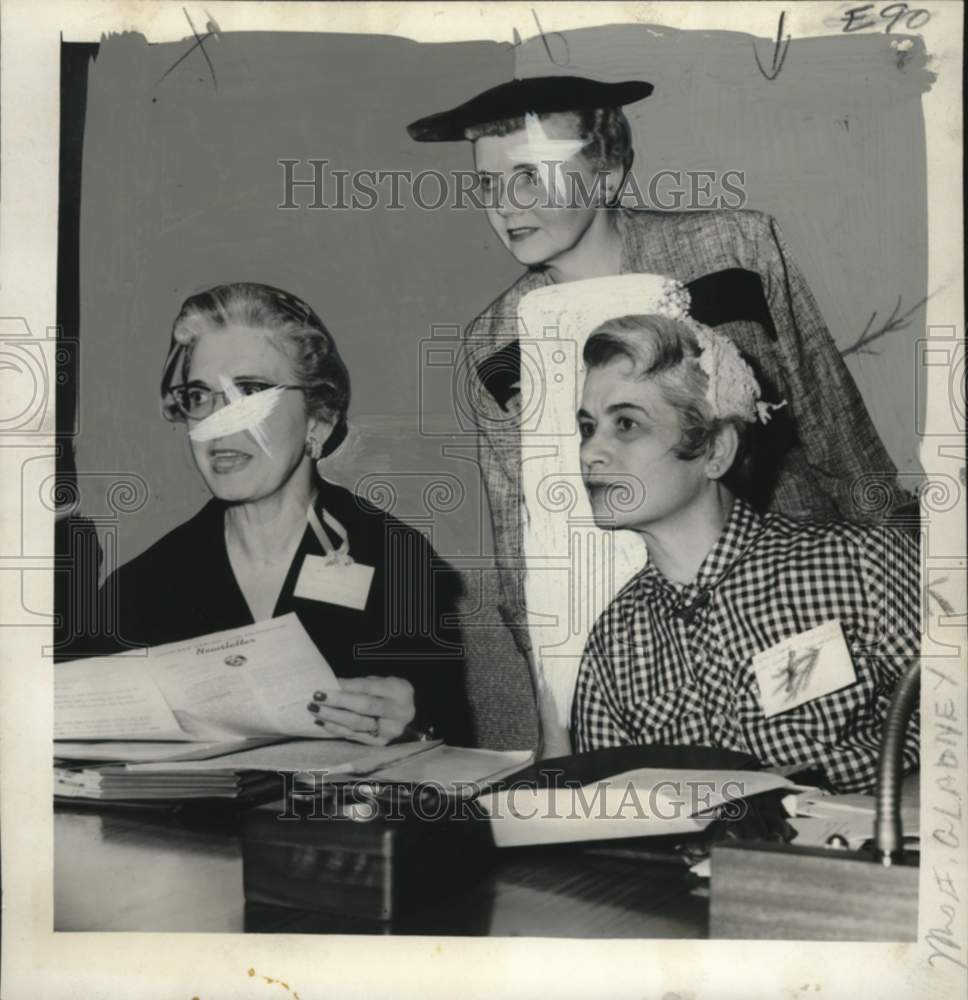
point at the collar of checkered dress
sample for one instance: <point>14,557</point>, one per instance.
<point>742,528</point>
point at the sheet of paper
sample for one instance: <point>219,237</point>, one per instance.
<point>639,803</point>
<point>336,757</point>
<point>524,817</point>
<point>856,809</point>
<point>251,681</point>
<point>111,698</point>
<point>702,868</point>
<point>456,768</point>
<point>147,750</point>
<point>804,667</point>
<point>696,791</point>
<point>852,829</point>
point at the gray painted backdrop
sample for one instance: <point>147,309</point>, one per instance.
<point>181,188</point>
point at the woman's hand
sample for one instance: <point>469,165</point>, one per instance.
<point>373,710</point>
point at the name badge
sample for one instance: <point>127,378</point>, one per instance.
<point>346,584</point>
<point>802,668</point>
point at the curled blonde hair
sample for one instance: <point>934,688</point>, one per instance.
<point>666,350</point>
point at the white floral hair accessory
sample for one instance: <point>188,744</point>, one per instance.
<point>674,300</point>
<point>732,389</point>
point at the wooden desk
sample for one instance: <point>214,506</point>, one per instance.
<point>131,872</point>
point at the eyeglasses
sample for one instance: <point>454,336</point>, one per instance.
<point>196,401</point>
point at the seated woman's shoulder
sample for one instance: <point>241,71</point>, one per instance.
<point>344,503</point>
<point>177,549</point>
<point>380,539</point>
<point>812,538</point>
<point>364,519</point>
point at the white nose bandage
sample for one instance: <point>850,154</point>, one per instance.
<point>241,413</point>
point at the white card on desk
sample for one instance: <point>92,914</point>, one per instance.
<point>347,584</point>
<point>803,667</point>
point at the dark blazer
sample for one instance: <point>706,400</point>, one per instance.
<point>184,586</point>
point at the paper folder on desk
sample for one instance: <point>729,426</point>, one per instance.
<point>640,803</point>
<point>619,792</point>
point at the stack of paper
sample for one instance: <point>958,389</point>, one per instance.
<point>99,771</point>
<point>114,783</point>
<point>453,770</point>
<point>233,770</point>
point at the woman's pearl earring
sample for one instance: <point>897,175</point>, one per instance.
<point>314,449</point>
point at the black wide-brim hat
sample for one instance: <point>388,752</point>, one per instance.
<point>537,94</point>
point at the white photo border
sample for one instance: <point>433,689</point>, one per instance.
<point>39,962</point>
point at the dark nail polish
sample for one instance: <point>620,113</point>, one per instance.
<point>319,695</point>
<point>320,722</point>
<point>313,707</point>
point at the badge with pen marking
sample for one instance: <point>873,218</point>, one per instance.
<point>797,670</point>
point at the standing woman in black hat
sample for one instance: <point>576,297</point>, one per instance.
<point>553,155</point>
<point>510,152</point>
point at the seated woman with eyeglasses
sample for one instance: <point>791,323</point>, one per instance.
<point>259,382</point>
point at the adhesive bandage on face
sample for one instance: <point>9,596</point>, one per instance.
<point>241,413</point>
<point>546,153</point>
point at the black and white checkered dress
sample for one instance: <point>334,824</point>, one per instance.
<point>673,665</point>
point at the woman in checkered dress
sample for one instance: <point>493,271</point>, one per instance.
<point>781,638</point>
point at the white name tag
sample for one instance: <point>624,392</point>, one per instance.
<point>803,667</point>
<point>334,583</point>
